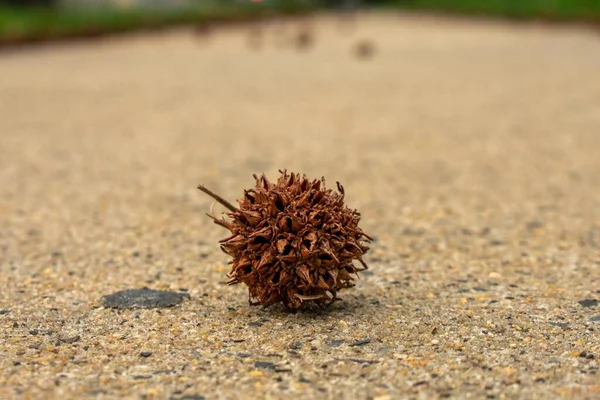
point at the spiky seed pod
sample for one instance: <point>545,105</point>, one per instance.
<point>293,241</point>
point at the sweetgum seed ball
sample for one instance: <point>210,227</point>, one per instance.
<point>293,241</point>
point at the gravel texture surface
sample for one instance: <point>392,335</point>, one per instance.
<point>472,149</point>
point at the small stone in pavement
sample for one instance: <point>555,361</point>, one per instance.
<point>296,346</point>
<point>360,342</point>
<point>562,325</point>
<point>359,361</point>
<point>72,339</point>
<point>192,397</point>
<point>534,225</point>
<point>264,364</point>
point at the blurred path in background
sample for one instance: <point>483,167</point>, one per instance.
<point>471,149</point>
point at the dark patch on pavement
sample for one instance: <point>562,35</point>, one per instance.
<point>143,298</point>
<point>588,303</point>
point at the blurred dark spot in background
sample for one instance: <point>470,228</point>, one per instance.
<point>26,21</point>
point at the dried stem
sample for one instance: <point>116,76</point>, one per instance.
<point>218,198</point>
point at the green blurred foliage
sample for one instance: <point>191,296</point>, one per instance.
<point>546,9</point>
<point>29,3</point>
<point>38,19</point>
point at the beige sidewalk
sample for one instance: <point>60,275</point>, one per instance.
<point>472,150</point>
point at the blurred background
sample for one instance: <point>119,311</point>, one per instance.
<point>469,145</point>
<point>31,20</point>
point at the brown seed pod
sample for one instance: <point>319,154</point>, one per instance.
<point>293,241</point>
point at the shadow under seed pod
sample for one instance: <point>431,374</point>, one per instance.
<point>293,241</point>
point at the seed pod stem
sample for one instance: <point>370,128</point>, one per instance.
<point>218,198</point>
